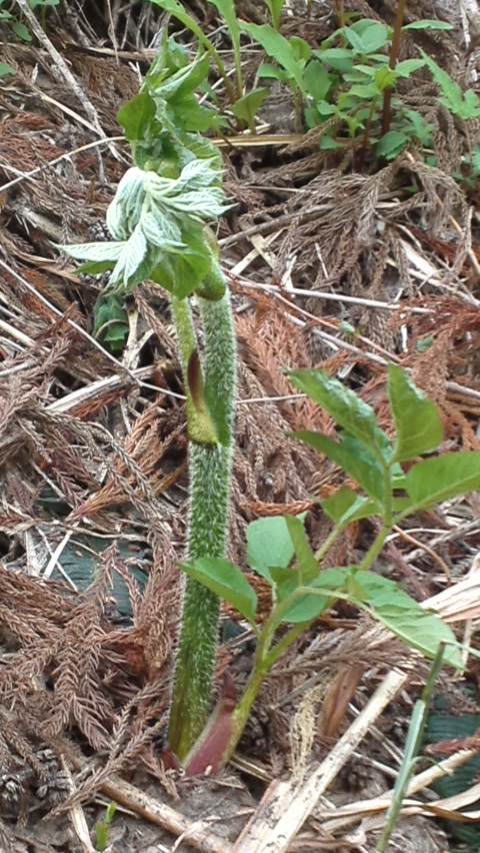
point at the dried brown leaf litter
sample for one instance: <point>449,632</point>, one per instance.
<point>92,446</point>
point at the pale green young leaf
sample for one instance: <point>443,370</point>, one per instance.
<point>417,420</point>
<point>126,270</point>
<point>158,232</point>
<point>427,24</point>
<point>275,8</point>
<point>269,544</point>
<point>408,67</point>
<point>318,81</point>
<point>227,581</point>
<point>247,107</point>
<point>278,48</point>
<point>345,407</point>
<point>444,477</point>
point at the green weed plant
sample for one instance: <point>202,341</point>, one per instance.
<point>159,227</point>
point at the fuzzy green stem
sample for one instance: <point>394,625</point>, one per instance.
<point>210,473</point>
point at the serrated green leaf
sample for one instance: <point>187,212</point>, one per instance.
<point>368,37</point>
<point>353,458</point>
<point>465,105</point>
<point>419,628</point>
<point>126,271</point>
<point>345,506</point>
<point>345,407</point>
<point>227,581</point>
<point>444,477</point>
<point>269,544</point>
<point>103,252</point>
<point>417,420</point>
<point>278,48</point>
<point>391,144</point>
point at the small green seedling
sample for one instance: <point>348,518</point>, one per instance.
<point>279,551</point>
<point>18,27</point>
<point>102,828</point>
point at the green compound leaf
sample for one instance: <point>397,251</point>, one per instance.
<point>444,477</point>
<point>345,407</point>
<point>417,420</point>
<point>466,105</point>
<point>227,581</point>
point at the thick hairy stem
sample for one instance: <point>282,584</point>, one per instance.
<point>210,471</point>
